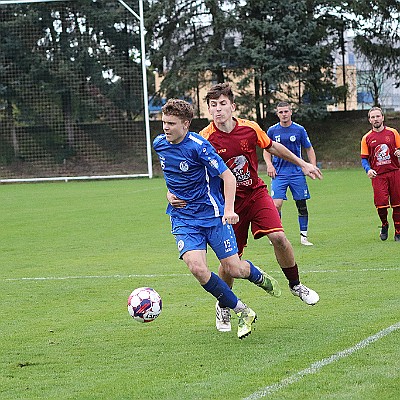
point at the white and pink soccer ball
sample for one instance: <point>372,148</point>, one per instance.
<point>144,304</point>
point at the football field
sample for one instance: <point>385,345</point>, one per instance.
<point>71,253</point>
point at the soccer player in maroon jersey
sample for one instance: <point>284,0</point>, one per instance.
<point>236,141</point>
<point>380,153</point>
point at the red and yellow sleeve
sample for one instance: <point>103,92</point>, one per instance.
<point>207,131</point>
<point>364,146</point>
<point>263,140</point>
<point>396,138</point>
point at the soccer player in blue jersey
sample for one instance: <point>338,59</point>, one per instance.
<point>193,172</point>
<point>285,174</point>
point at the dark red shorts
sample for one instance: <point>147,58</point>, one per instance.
<point>387,189</point>
<point>259,212</point>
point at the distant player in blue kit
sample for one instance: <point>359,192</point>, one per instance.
<point>285,174</point>
<point>193,172</point>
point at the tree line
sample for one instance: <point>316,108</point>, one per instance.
<point>269,44</point>
<point>83,56</point>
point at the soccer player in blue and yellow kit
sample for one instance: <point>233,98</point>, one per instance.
<point>285,174</point>
<point>193,172</point>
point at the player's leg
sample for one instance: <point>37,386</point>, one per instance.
<point>213,284</point>
<point>245,269</point>
<point>279,186</point>
<point>266,221</point>
<point>298,187</point>
<point>241,233</point>
<point>192,245</point>
<point>396,220</point>
<point>221,239</point>
<point>380,187</point>
<point>394,190</point>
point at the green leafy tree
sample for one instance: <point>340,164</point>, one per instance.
<point>187,39</point>
<point>286,42</point>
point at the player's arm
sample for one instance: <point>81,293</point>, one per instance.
<point>364,158</point>
<point>365,164</point>
<point>279,150</point>
<point>271,171</point>
<point>311,156</point>
<point>229,193</point>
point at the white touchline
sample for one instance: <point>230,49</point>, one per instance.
<point>61,278</point>
<point>58,278</point>
<point>315,367</point>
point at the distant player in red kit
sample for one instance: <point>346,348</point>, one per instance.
<point>380,153</point>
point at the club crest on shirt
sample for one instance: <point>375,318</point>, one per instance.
<point>292,138</point>
<point>244,145</point>
<point>183,166</point>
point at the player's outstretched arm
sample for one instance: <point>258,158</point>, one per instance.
<point>279,150</point>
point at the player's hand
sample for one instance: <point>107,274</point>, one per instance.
<point>271,171</point>
<point>371,174</point>
<point>175,201</point>
<point>230,218</point>
<point>312,171</point>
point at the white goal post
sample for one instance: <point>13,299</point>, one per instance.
<point>145,106</point>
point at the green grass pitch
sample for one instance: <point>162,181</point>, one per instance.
<point>70,254</point>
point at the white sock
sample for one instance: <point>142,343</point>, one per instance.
<point>240,306</point>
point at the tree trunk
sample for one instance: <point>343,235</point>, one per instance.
<point>11,125</point>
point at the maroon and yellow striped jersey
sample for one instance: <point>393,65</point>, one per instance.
<point>379,148</point>
<point>239,151</point>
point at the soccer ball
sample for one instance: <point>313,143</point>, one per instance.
<point>144,304</point>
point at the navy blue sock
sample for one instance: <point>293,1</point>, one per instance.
<point>255,274</point>
<point>221,291</point>
<point>303,222</point>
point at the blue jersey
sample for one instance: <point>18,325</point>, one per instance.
<point>294,137</point>
<point>191,170</point>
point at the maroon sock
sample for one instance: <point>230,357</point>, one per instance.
<point>383,212</point>
<point>292,275</point>
<point>396,220</point>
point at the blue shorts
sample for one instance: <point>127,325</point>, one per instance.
<point>220,237</point>
<point>296,183</point>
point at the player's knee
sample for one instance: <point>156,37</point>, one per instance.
<point>302,207</point>
<point>278,239</point>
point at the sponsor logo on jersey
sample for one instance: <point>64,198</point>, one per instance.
<point>240,168</point>
<point>214,163</point>
<point>382,154</point>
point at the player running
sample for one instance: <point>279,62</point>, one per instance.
<point>236,141</point>
<point>193,172</point>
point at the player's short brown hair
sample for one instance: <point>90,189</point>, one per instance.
<point>178,108</point>
<point>283,104</point>
<point>218,90</point>
<point>374,109</point>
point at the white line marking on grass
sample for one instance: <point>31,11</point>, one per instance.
<point>59,278</point>
<point>324,271</point>
<point>53,278</point>
<point>315,367</point>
